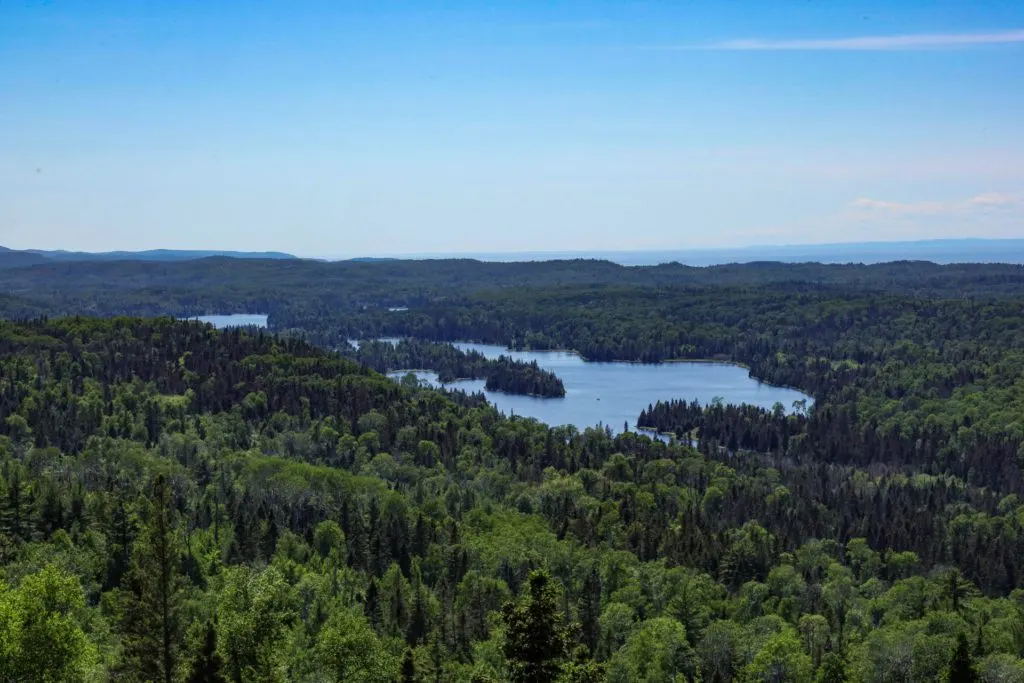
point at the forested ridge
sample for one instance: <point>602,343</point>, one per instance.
<point>295,289</point>
<point>178,503</point>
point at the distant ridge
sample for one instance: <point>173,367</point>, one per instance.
<point>156,255</point>
<point>941,251</point>
<point>12,258</point>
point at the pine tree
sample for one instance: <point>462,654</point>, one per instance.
<point>12,511</point>
<point>408,668</point>
<point>208,664</point>
<point>961,668</point>
<point>12,516</point>
<point>590,610</point>
<point>153,587</point>
<point>421,537</point>
<point>416,632</point>
<point>536,642</point>
<point>372,607</point>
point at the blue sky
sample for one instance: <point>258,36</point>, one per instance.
<point>345,128</point>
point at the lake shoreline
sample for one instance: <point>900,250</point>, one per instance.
<point>448,385</point>
<point>577,354</point>
<point>667,361</point>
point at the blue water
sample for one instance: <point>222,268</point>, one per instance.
<point>613,394</point>
<point>936,251</point>
<point>233,320</point>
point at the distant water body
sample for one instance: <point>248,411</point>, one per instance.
<point>613,394</point>
<point>233,320</point>
<point>936,251</point>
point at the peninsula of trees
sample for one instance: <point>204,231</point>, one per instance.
<point>451,364</point>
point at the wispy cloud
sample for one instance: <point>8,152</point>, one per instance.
<point>921,41</point>
<point>989,200</point>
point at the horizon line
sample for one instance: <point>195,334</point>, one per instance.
<point>748,247</point>
<point>909,41</point>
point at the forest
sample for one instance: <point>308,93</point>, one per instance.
<point>451,364</point>
<point>184,504</point>
<point>180,503</point>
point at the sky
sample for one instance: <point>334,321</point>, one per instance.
<point>355,128</point>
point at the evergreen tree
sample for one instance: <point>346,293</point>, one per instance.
<point>371,605</point>
<point>12,515</point>
<point>590,610</point>
<point>153,587</point>
<point>408,668</point>
<point>208,664</point>
<point>418,627</point>
<point>536,642</point>
<point>961,668</point>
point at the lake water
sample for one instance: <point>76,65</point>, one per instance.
<point>613,394</point>
<point>233,320</point>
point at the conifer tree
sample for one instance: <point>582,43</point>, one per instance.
<point>371,605</point>
<point>419,619</point>
<point>590,610</point>
<point>153,590</point>
<point>208,664</point>
<point>961,668</point>
<point>536,642</point>
<point>408,668</point>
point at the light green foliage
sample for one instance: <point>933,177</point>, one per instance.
<point>617,622</point>
<point>347,649</point>
<point>41,637</point>
<point>657,650</point>
<point>780,659</point>
<point>721,652</point>
<point>1001,668</point>
<point>255,609</point>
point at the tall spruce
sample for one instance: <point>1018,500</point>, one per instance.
<point>408,667</point>
<point>152,593</point>
<point>961,668</point>
<point>536,642</point>
<point>590,610</point>
<point>208,664</point>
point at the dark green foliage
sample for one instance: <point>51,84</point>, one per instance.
<point>207,667</point>
<point>152,593</point>
<point>590,611</point>
<point>450,364</point>
<point>324,520</point>
<point>408,668</point>
<point>517,377</point>
<point>536,641</point>
<point>961,668</point>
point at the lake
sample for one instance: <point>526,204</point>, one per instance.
<point>613,394</point>
<point>233,320</point>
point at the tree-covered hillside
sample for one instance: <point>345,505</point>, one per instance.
<point>178,503</point>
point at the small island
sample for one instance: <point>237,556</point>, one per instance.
<point>450,363</point>
<point>517,377</point>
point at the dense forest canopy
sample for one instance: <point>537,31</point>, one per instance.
<point>181,503</point>
<point>225,285</point>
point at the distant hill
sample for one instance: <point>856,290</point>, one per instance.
<point>943,251</point>
<point>12,258</point>
<point>156,255</point>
